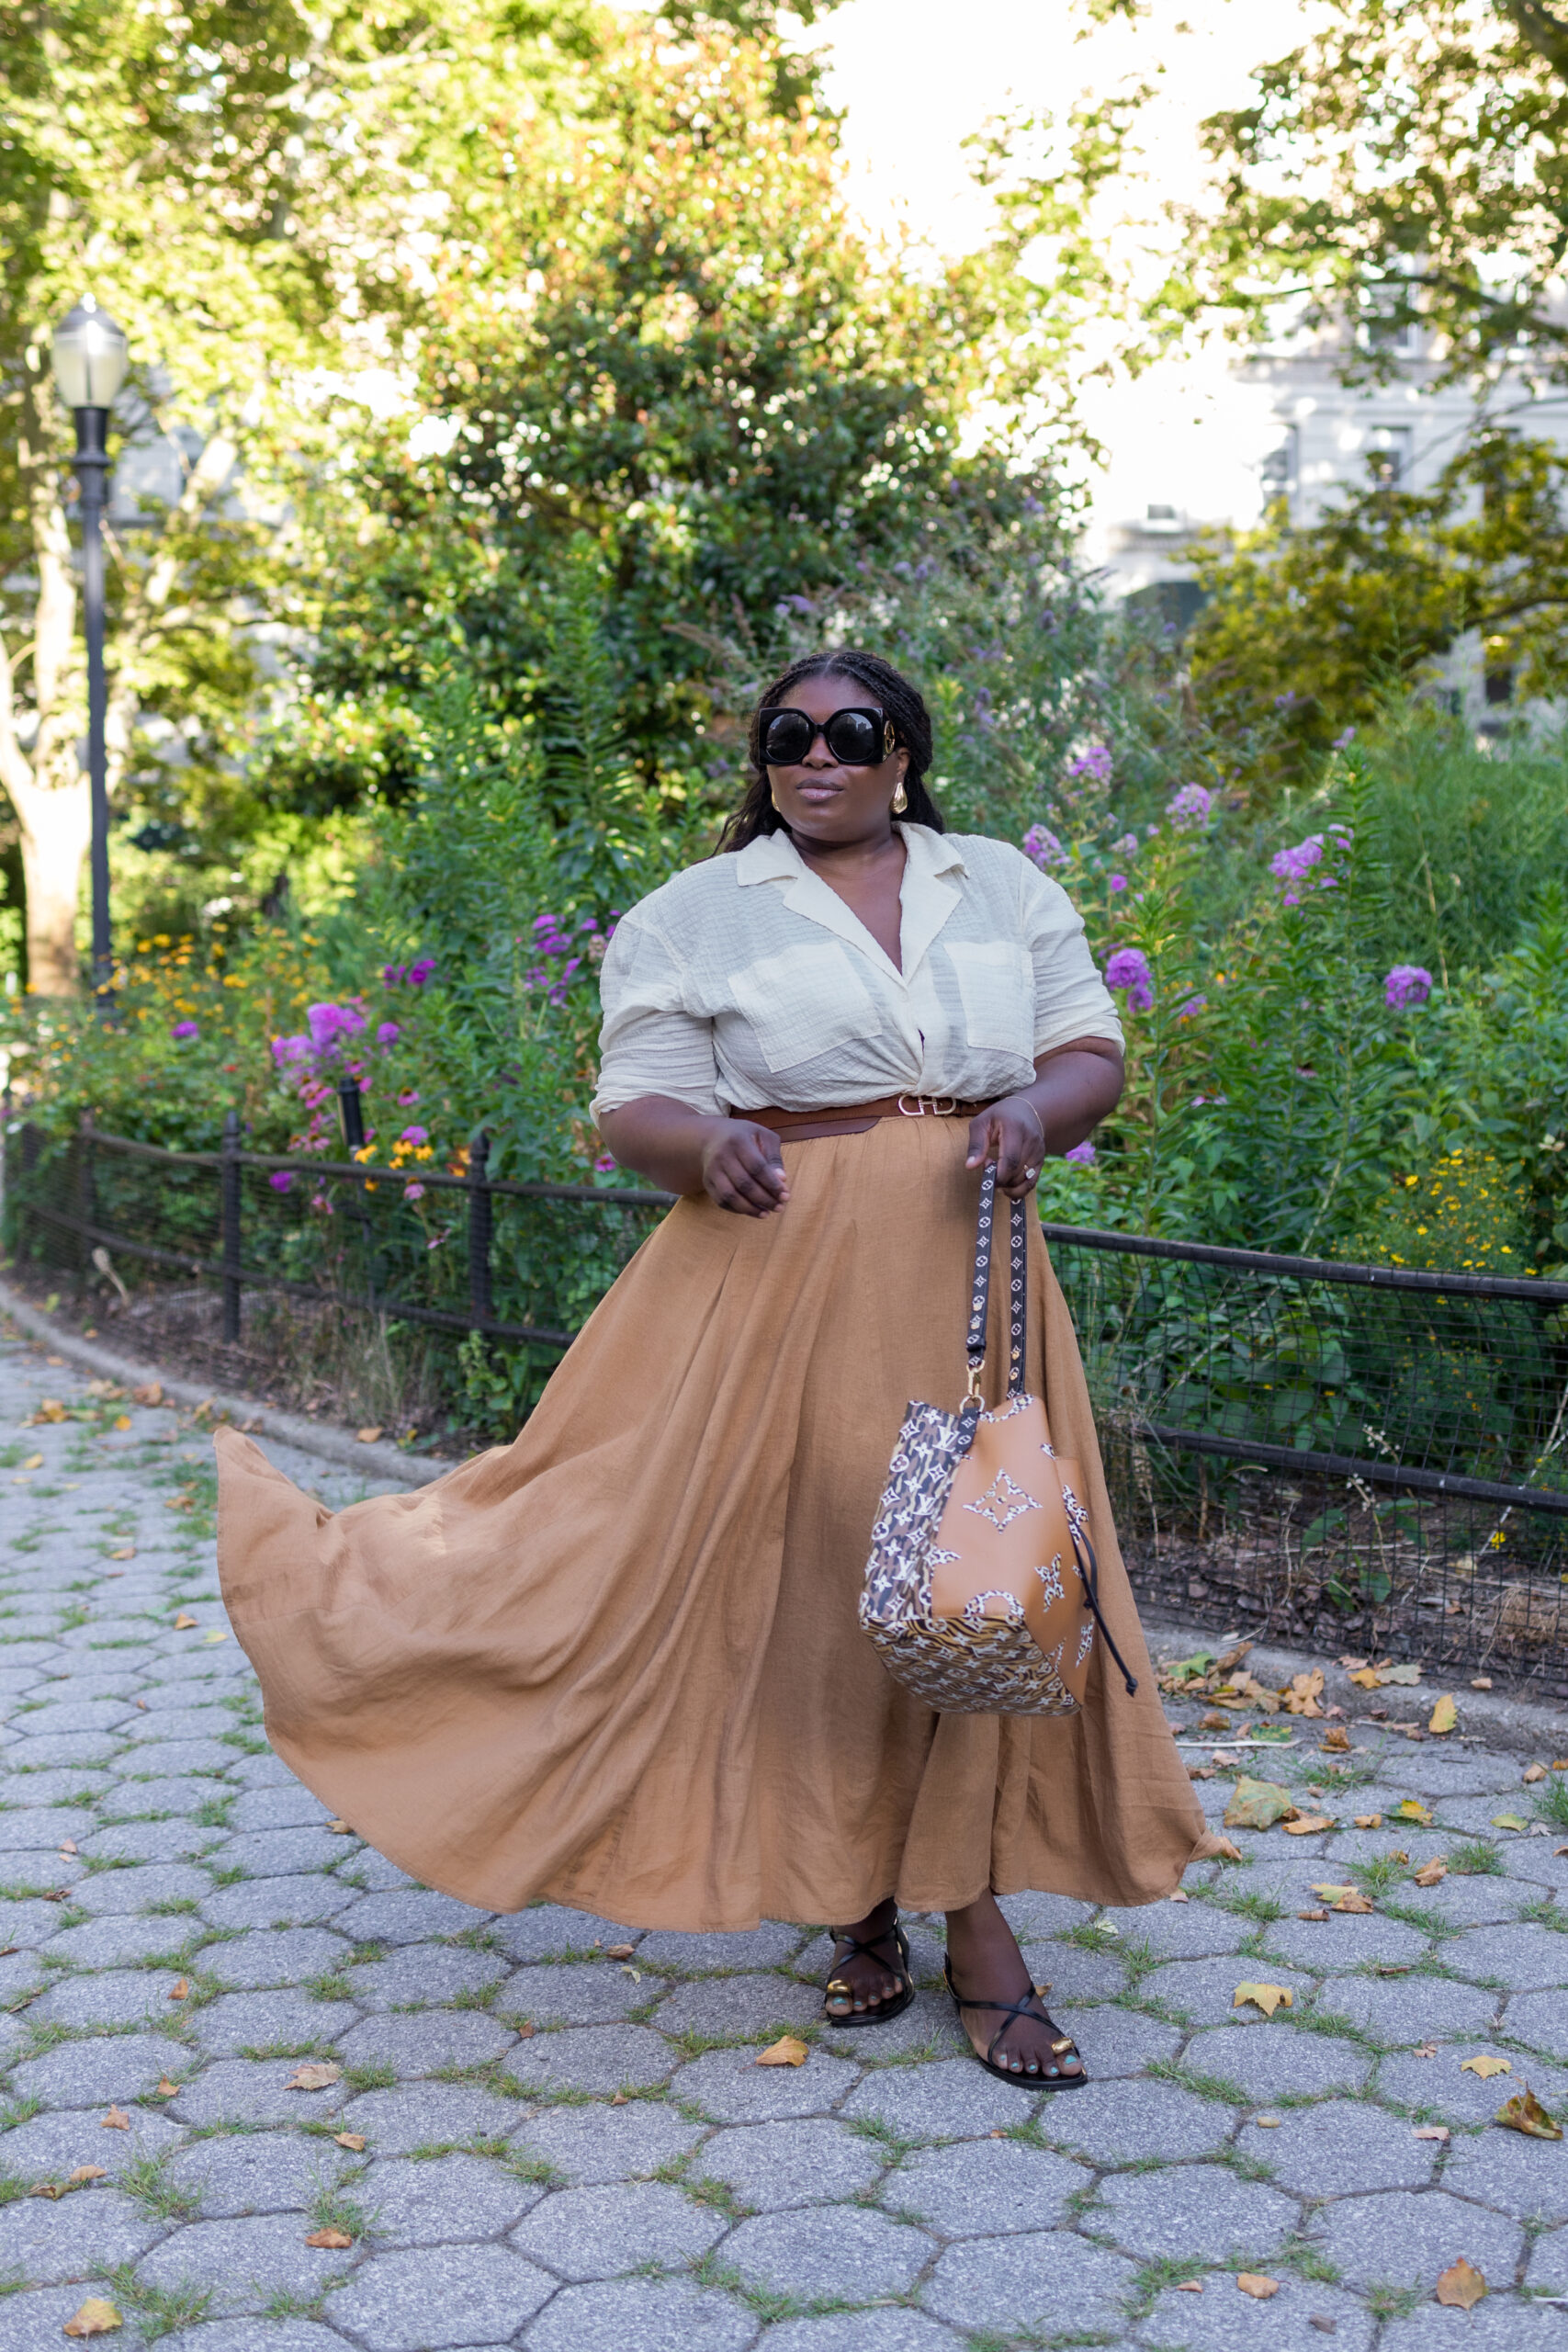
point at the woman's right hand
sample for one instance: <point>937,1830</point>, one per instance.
<point>743,1167</point>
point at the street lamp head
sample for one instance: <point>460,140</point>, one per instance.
<point>89,357</point>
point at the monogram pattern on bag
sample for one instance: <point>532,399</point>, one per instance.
<point>1050,1577</point>
<point>1085,1643</point>
<point>1003,1501</point>
<point>976,1613</point>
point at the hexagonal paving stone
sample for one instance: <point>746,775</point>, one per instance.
<point>753,2007</point>
<point>287,2020</point>
<point>427,1975</point>
<point>121,1942</point>
<point>547,1930</point>
<point>952,2099</point>
<point>245,2090</point>
<point>429,2115</point>
<point>592,2058</point>
<point>768,1946</point>
<point>1048,2282</point>
<point>771,2167</point>
<point>1193,2213</point>
<point>1524,1958</point>
<point>578,1993</point>
<point>1114,2042</point>
<point>1225,2320</point>
<point>275,1853</point>
<point>650,2315</point>
<point>443,2200</point>
<point>832,2252</point>
<point>140,1887</point>
<point>1440,2087</point>
<point>97,2228</point>
<point>729,2085</point>
<point>1103,2123</point>
<point>1400,2010</point>
<point>986,2187</point>
<point>1184,1930</point>
<point>424,2301</point>
<point>1528,2179</point>
<point>428,2044</point>
<point>1500,2324</point>
<point>928,2029</point>
<point>91,2074</point>
<point>603,2231</point>
<point>256,2171</point>
<point>1406,2238</point>
<point>600,2143</point>
<point>1463,1901</point>
<point>1341,2146</point>
<point>265,1958</point>
<point>1539,2019</point>
<point>1327,1946</point>
<point>1292,2062</point>
<point>119,1996</point>
<point>1205,1990</point>
<point>408,1917</point>
<point>300,1902</point>
<point>48,2147</point>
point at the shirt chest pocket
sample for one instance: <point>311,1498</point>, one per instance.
<point>995,987</point>
<point>802,1003</point>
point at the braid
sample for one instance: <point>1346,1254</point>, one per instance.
<point>898,701</point>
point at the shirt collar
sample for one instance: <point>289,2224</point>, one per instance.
<point>930,891</point>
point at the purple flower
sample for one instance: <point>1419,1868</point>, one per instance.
<point>1343,742</point>
<point>1042,849</point>
<point>1095,762</point>
<point>1081,1155</point>
<point>604,1165</point>
<point>1128,846</point>
<point>408,1098</point>
<point>414,1135</point>
<point>328,1023</point>
<point>184,1029</point>
<point>1191,808</point>
<point>1129,969</point>
<point>1407,984</point>
<point>414,1192</point>
<point>1287,700</point>
<point>419,973</point>
<point>1115,882</point>
<point>387,1033</point>
<point>1292,867</point>
<point>281,1179</point>
<point>290,1049</point>
<point>1193,1005</point>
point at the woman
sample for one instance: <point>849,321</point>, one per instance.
<point>617,1663</point>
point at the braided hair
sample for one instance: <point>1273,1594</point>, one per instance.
<point>897,700</point>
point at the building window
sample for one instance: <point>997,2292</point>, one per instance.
<point>1277,474</point>
<point>1388,456</point>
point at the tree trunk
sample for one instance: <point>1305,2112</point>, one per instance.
<point>55,828</point>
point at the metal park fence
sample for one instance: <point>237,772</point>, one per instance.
<point>1368,1455</point>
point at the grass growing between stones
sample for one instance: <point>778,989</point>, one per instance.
<point>158,2311</point>
<point>147,2180</point>
<point>1475,1858</point>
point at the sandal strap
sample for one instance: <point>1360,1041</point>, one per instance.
<point>1009,2009</point>
<point>894,1935</point>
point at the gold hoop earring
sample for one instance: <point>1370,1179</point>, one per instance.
<point>900,798</point>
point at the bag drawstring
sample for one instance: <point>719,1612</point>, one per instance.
<point>1089,1578</point>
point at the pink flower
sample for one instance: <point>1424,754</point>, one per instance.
<point>414,1135</point>
<point>281,1179</point>
<point>1042,849</point>
<point>184,1030</point>
<point>1115,882</point>
<point>414,1192</point>
<point>408,1098</point>
<point>1081,1155</point>
<point>1191,808</point>
<point>387,1033</point>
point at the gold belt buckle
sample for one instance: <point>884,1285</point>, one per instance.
<point>940,1106</point>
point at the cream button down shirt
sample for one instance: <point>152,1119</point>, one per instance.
<point>747,982</point>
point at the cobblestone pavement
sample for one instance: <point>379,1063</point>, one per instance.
<point>528,2137</point>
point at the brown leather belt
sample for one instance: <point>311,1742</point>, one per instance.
<point>858,1118</point>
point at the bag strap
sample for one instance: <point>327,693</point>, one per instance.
<point>980,1297</point>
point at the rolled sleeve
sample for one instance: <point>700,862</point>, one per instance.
<point>649,1042</point>
<point>1070,998</point>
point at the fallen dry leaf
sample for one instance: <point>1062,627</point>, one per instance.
<point>1181,1895</point>
<point>620,2097</point>
<point>1267,1998</point>
<point>355,2140</point>
<point>1480,1682</point>
<point>183,1622</point>
<point>1485,2065</point>
<point>68,1846</point>
<point>368,1437</point>
<point>1224,1850</point>
<point>85,2172</point>
<point>1336,1741</point>
<point>95,2318</point>
<point>1425,2050</point>
<point>786,2052</point>
<point>1354,1900</point>
<point>619,1951</point>
<point>1307,1825</point>
<point>1201,1771</point>
<point>150,1393</point>
<point>339,1827</point>
<point>165,2089</point>
<point>1190,2286</point>
<point>1510,1821</point>
<point>1534,1772</point>
<point>1432,2132</point>
<point>33,1462</point>
<point>314,2077</point>
<point>1369,1820</point>
<point>1411,1809</point>
<point>1366,1678</point>
<point>1266,2123</point>
<point>126,1552</point>
<point>180,1989</point>
<point>1444,1715</point>
<point>219,1635</point>
<point>335,2238</point>
<point>1257,1804</point>
<point>1460,2287</point>
<point>1405,1676</point>
<point>1319,1913</point>
<point>1524,2112</point>
<point>1253,2283</point>
<point>116,2120</point>
<point>1432,1873</point>
<point>1331,1889</point>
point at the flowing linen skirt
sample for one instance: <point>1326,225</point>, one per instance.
<point>616,1663</point>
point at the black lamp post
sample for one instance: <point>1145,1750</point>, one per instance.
<point>89,369</point>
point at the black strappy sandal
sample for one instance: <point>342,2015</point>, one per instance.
<point>883,2011</point>
<point>1045,2079</point>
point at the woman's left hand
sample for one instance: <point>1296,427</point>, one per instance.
<point>1010,1132</point>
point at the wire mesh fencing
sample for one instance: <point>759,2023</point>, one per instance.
<point>1295,1447</point>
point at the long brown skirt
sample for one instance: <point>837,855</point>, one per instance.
<point>617,1662</point>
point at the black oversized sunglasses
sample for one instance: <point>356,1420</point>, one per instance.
<point>857,739</point>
